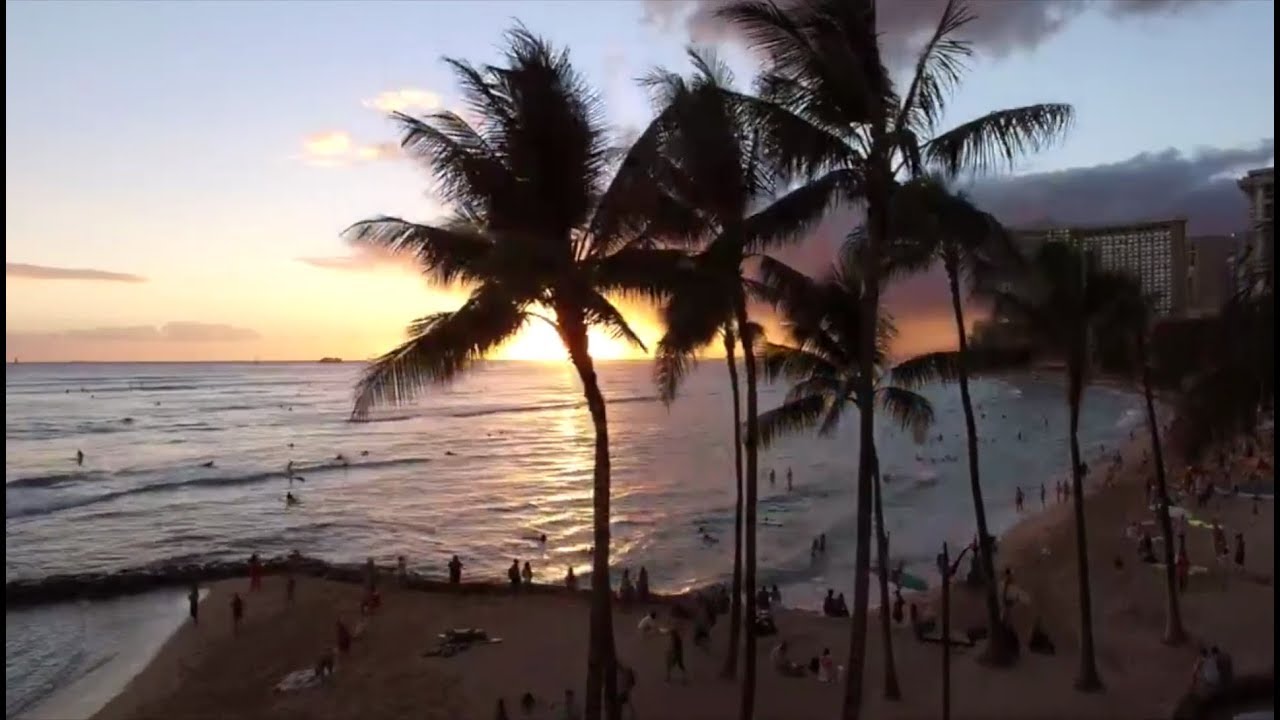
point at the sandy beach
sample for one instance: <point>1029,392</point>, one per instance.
<point>205,671</point>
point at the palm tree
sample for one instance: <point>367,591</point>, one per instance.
<point>974,249</point>
<point>710,167</point>
<point>823,321</point>
<point>829,105</point>
<point>1059,309</point>
<point>542,231</point>
<point>1125,339</point>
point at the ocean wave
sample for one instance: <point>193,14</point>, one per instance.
<point>14,510</point>
<point>54,480</point>
<point>509,409</point>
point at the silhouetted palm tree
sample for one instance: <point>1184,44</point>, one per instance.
<point>937,226</point>
<point>1125,335</point>
<point>822,62</point>
<point>710,167</point>
<point>540,233</point>
<point>823,322</point>
<point>1059,308</point>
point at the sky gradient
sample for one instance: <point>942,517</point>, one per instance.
<point>177,174</point>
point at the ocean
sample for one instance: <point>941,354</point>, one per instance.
<point>480,468</point>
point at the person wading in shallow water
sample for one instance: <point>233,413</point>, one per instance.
<point>193,603</point>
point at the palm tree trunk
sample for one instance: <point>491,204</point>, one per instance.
<point>1088,679</point>
<point>735,604</point>
<point>746,335</point>
<point>870,307</point>
<point>998,651</point>
<point>1174,633</point>
<point>946,633</point>
<point>601,659</point>
<point>891,690</point>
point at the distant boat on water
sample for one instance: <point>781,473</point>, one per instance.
<point>330,360</point>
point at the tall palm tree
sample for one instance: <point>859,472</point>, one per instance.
<point>823,67</point>
<point>1125,338</point>
<point>937,226</point>
<point>1059,309</point>
<point>543,231</point>
<point>710,167</point>
<point>822,319</point>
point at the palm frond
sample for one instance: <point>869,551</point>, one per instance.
<point>779,361</point>
<point>921,370</point>
<point>788,217</point>
<point>438,348</point>
<point>791,417</point>
<point>447,254</point>
<point>910,410</point>
<point>670,367</point>
<point>997,139</point>
<point>937,71</point>
<point>599,312</point>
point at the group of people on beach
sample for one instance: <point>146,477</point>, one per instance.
<point>773,478</point>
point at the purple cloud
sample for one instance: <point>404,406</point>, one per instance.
<point>45,272</point>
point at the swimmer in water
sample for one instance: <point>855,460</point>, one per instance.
<point>79,458</point>
<point>290,499</point>
<point>542,539</point>
<point>207,464</point>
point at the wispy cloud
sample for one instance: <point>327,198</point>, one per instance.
<point>46,272</point>
<point>405,100</point>
<point>363,258</point>
<point>172,332</point>
<point>336,148</point>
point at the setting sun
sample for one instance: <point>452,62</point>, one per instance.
<point>539,341</point>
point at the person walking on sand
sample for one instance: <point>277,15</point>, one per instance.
<point>675,654</point>
<point>237,612</point>
<point>1017,498</point>
<point>255,572</point>
<point>193,603</point>
<point>513,575</point>
<point>527,573</point>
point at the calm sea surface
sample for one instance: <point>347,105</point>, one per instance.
<point>480,469</point>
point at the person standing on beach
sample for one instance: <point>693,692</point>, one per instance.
<point>527,573</point>
<point>79,458</point>
<point>675,654</point>
<point>773,477</point>
<point>788,479</point>
<point>571,581</point>
<point>1240,550</point>
<point>1042,500</point>
<point>237,612</point>
<point>1017,498</point>
<point>513,575</point>
<point>1182,563</point>
<point>255,572</point>
<point>193,603</point>
<point>455,571</point>
<point>642,584</point>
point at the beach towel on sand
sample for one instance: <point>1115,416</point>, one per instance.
<point>298,680</point>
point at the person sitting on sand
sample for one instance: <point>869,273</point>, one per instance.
<point>626,590</point>
<point>826,666</point>
<point>237,612</point>
<point>829,603</point>
<point>325,665</point>
<point>571,581</point>
<point>455,571</point>
<point>513,575</point>
<point>648,624</point>
<point>842,610</point>
<point>642,585</point>
<point>675,654</point>
<point>1039,641</point>
<point>783,663</point>
<point>570,710</point>
<point>527,573</point>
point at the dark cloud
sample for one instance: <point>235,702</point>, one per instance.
<point>1001,28</point>
<point>45,272</point>
<point>173,332</point>
<point>1200,186</point>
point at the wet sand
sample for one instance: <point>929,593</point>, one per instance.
<point>206,672</point>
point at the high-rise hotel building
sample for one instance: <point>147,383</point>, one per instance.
<point>1260,186</point>
<point>1155,252</point>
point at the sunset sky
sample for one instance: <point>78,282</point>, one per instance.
<point>178,173</point>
